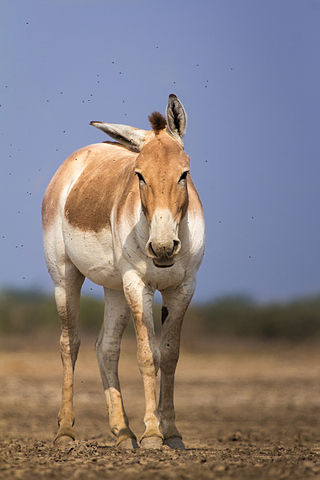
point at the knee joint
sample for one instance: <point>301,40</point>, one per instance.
<point>69,341</point>
<point>149,362</point>
<point>108,351</point>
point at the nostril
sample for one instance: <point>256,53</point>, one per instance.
<point>176,246</point>
<point>157,251</point>
<point>151,250</point>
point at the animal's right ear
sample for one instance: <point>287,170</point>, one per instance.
<point>176,118</point>
<point>130,137</point>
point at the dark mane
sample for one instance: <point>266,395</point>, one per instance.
<point>157,120</point>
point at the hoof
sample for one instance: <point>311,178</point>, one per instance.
<point>127,444</point>
<point>151,442</point>
<point>63,441</point>
<point>174,442</point>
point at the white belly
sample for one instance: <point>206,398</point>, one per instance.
<point>92,254</point>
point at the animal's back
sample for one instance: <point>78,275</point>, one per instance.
<point>82,184</point>
<point>77,205</point>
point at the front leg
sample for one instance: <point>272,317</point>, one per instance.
<point>140,299</point>
<point>175,304</point>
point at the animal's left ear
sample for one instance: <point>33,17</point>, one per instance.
<point>176,118</point>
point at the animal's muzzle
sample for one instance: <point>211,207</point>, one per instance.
<point>163,255</point>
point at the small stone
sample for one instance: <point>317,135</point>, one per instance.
<point>236,436</point>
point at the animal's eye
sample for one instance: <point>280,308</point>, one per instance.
<point>141,179</point>
<point>183,176</point>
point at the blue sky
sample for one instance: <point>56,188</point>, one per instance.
<point>248,74</point>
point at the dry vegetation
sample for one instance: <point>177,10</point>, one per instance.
<point>30,312</point>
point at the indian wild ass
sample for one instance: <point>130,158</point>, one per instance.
<point>127,216</point>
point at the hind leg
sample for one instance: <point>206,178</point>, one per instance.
<point>116,317</point>
<point>67,295</point>
<point>175,305</point>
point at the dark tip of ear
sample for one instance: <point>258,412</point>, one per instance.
<point>93,121</point>
<point>172,95</point>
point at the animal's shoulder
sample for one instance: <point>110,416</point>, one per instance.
<point>103,182</point>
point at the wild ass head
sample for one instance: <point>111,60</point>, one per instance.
<point>162,168</point>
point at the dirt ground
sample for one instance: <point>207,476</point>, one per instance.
<point>246,411</point>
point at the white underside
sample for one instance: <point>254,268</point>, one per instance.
<point>103,257</point>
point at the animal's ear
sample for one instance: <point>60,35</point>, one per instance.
<point>176,118</point>
<point>130,137</point>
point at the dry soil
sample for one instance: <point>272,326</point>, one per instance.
<point>246,411</point>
